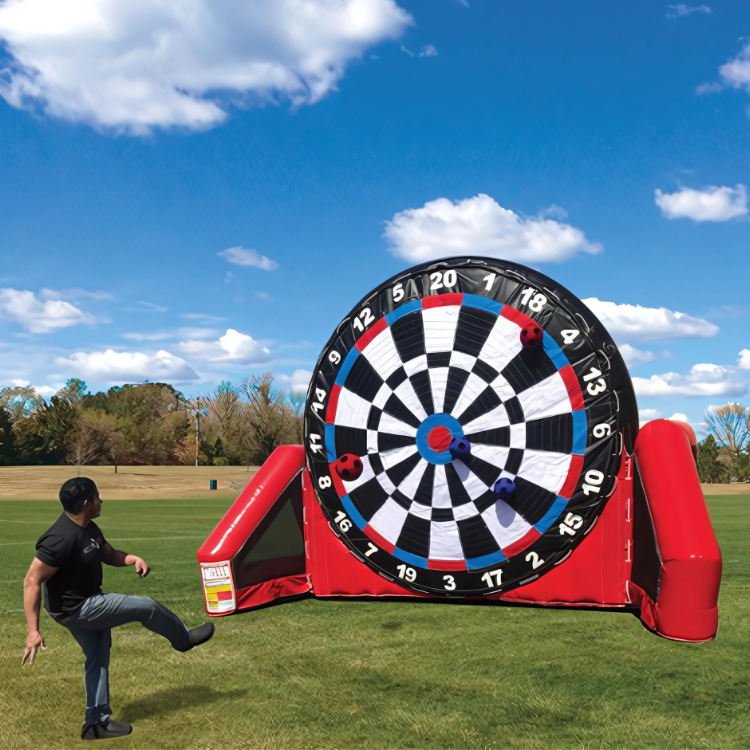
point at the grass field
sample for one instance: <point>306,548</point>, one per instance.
<point>352,674</point>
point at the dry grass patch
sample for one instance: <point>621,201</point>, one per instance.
<point>129,483</point>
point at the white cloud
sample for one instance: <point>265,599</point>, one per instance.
<point>428,51</point>
<point>39,316</point>
<point>148,307</point>
<point>709,88</point>
<point>703,380</point>
<point>297,383</point>
<point>201,316</point>
<point>709,204</point>
<point>132,65</point>
<point>553,211</point>
<point>736,72</point>
<point>153,336</point>
<point>681,9</point>
<point>242,257</point>
<point>679,417</point>
<point>20,383</point>
<point>263,296</point>
<point>74,294</point>
<point>45,391</point>
<point>189,332</point>
<point>480,226</point>
<point>744,360</point>
<point>116,367</point>
<point>636,323</point>
<point>634,357</point>
<point>233,346</point>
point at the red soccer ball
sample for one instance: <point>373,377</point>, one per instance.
<point>349,467</point>
<point>531,335</point>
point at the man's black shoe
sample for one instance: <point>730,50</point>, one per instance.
<point>105,730</point>
<point>200,635</point>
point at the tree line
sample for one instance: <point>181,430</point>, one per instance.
<point>148,424</point>
<point>153,423</point>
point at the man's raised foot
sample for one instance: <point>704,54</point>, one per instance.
<point>199,635</point>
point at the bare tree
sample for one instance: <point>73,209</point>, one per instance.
<point>86,442</point>
<point>102,434</point>
<point>730,426</point>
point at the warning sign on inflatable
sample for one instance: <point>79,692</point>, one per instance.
<point>471,432</point>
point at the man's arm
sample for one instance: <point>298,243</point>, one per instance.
<point>119,559</point>
<point>38,573</point>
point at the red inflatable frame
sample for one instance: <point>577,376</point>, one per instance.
<point>652,551</point>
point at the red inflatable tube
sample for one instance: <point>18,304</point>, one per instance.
<point>223,592</point>
<point>688,591</point>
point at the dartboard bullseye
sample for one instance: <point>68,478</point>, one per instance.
<point>488,407</point>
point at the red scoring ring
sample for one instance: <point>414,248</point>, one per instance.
<point>439,439</point>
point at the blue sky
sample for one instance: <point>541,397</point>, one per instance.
<point>345,140</point>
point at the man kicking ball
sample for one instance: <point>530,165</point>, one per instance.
<point>68,562</point>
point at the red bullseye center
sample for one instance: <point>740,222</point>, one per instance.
<point>439,439</point>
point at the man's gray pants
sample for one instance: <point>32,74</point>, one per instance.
<point>92,627</point>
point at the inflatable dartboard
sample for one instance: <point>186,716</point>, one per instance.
<point>464,426</point>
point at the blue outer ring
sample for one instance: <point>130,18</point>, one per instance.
<point>437,420</point>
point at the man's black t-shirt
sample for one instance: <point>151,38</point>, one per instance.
<point>77,553</point>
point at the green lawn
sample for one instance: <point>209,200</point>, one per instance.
<point>351,674</point>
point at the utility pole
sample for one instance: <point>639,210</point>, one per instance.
<point>197,432</point>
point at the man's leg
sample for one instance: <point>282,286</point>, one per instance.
<point>95,645</point>
<point>106,611</point>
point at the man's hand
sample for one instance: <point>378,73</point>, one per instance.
<point>141,567</point>
<point>34,644</point>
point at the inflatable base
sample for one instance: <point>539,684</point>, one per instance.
<point>652,551</point>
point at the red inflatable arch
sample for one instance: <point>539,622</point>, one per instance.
<point>653,551</point>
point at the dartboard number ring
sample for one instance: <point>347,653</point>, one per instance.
<point>485,457</point>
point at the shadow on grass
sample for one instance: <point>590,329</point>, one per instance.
<point>391,625</point>
<point>176,699</point>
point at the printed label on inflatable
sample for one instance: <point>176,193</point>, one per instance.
<point>218,588</point>
<point>487,406</point>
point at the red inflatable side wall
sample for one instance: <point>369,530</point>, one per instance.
<point>248,511</point>
<point>688,591</point>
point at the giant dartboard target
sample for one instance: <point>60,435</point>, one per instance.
<point>435,354</point>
